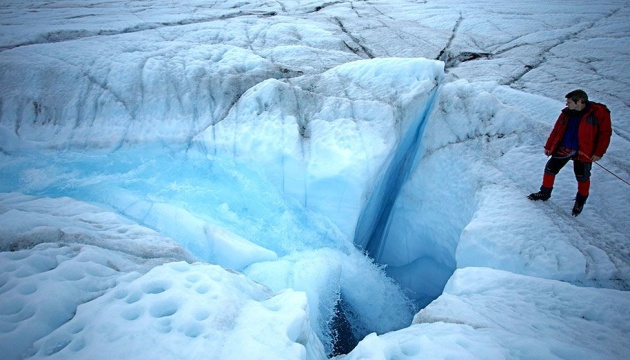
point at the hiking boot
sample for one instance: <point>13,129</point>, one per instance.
<point>580,200</point>
<point>541,195</point>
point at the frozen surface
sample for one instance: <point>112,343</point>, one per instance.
<point>205,180</point>
<point>183,311</point>
<point>492,314</point>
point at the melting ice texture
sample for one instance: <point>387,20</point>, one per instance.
<point>151,153</point>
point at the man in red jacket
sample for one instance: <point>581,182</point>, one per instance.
<point>582,134</point>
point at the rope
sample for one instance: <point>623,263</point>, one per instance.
<point>612,173</point>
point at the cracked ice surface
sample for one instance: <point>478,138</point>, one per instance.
<point>253,135</point>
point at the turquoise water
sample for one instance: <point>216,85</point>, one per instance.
<point>220,191</point>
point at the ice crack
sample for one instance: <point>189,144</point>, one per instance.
<point>372,226</point>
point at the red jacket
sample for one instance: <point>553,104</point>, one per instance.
<point>593,135</point>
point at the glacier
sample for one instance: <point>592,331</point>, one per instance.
<point>308,179</point>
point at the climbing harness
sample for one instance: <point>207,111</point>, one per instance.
<point>564,153</point>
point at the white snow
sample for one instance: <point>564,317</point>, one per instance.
<point>205,180</point>
<point>187,310</point>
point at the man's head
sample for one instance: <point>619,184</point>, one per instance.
<point>576,100</point>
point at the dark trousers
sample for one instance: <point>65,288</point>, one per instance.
<point>582,171</point>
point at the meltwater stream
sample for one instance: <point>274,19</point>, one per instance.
<point>171,191</point>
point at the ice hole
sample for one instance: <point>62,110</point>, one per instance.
<point>156,287</point>
<point>164,308</point>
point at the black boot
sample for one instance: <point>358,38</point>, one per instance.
<point>580,200</point>
<point>544,194</point>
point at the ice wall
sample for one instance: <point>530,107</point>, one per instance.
<point>344,143</point>
<point>327,139</point>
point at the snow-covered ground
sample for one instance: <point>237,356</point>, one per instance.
<point>206,179</point>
